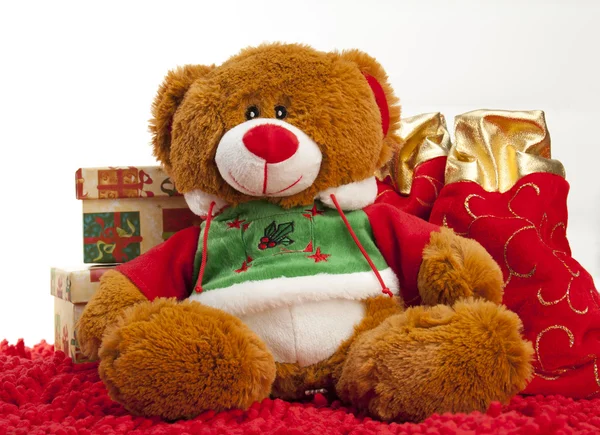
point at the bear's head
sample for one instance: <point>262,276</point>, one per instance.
<point>285,123</point>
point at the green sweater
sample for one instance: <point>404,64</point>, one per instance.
<point>259,250</point>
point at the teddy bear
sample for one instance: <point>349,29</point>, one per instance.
<point>294,282</point>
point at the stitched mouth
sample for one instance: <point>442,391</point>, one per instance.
<point>241,186</point>
<point>287,188</point>
<point>244,188</point>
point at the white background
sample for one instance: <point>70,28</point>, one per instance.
<point>77,80</point>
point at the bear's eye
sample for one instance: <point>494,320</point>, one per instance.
<point>252,113</point>
<point>280,112</point>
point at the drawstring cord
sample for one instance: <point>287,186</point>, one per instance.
<point>204,248</point>
<point>199,289</point>
<point>384,288</point>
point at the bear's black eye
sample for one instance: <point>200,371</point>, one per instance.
<point>252,113</point>
<point>280,112</point>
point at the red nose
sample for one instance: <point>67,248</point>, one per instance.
<point>271,142</point>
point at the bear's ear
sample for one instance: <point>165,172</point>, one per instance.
<point>169,96</point>
<point>387,102</point>
<point>378,81</point>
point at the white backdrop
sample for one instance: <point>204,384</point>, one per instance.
<point>77,80</point>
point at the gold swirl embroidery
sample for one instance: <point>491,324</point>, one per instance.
<point>548,303</point>
<point>533,186</point>
<point>575,275</point>
<point>547,378</point>
<point>510,269</point>
<point>554,374</point>
<point>558,372</point>
<point>445,225</point>
<point>468,207</point>
<point>566,296</point>
<point>576,311</point>
<point>476,218</point>
<point>550,328</point>
<point>423,203</point>
<point>432,181</point>
<point>436,191</point>
<point>591,396</point>
<point>382,193</point>
<point>544,220</point>
<point>560,224</point>
<point>596,376</point>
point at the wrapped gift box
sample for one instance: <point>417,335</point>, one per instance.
<point>72,288</point>
<point>66,316</point>
<point>77,284</point>
<point>127,211</point>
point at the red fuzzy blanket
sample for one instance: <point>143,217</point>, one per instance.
<point>41,392</point>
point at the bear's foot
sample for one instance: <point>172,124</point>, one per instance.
<point>437,359</point>
<point>177,359</point>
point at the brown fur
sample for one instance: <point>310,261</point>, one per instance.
<point>326,96</point>
<point>115,295</point>
<point>437,359</point>
<point>292,380</point>
<point>177,359</point>
<point>169,96</point>
<point>454,267</point>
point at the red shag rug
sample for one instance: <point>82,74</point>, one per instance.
<point>41,392</point>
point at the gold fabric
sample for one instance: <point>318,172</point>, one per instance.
<point>424,137</point>
<point>496,148</point>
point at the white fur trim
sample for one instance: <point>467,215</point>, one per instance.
<point>256,296</point>
<point>199,202</point>
<point>245,171</point>
<point>353,196</point>
<point>306,333</point>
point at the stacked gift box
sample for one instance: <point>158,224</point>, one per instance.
<point>126,212</point>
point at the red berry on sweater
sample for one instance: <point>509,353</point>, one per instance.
<point>265,240</point>
<point>272,244</point>
<point>262,246</point>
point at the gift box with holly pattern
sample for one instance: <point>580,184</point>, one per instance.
<point>72,289</point>
<point>127,211</point>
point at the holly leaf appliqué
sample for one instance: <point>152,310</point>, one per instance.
<point>275,235</point>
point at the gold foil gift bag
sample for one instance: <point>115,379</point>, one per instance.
<point>416,169</point>
<point>504,190</point>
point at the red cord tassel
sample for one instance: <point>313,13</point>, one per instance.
<point>384,288</point>
<point>198,287</point>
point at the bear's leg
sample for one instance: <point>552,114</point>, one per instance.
<point>437,359</point>
<point>177,359</point>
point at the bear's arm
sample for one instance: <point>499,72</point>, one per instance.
<point>433,264</point>
<point>164,271</point>
<point>401,238</point>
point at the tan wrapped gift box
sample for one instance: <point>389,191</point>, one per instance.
<point>72,289</point>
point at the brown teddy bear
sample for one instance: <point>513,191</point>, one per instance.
<point>294,282</point>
